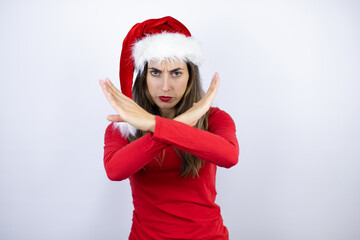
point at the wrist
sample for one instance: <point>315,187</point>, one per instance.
<point>152,123</point>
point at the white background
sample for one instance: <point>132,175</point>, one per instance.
<point>289,78</point>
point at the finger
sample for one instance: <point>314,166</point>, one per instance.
<point>114,118</point>
<point>102,84</point>
<point>112,99</point>
<point>112,87</point>
<point>108,82</point>
<point>105,90</point>
<point>212,90</point>
<point>109,96</point>
<point>114,91</point>
<point>213,85</point>
<point>215,82</point>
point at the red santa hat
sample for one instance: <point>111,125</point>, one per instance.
<point>155,40</point>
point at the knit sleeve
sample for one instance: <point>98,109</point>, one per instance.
<point>122,159</point>
<point>218,145</point>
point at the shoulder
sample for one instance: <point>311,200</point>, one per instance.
<point>112,130</point>
<point>219,119</point>
<point>216,113</point>
<point>115,132</point>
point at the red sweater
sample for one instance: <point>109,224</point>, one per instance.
<point>167,206</point>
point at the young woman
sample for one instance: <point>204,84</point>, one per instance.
<point>166,138</point>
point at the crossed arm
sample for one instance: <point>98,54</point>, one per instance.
<point>218,145</point>
<point>132,113</point>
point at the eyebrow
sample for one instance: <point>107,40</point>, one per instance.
<point>173,70</point>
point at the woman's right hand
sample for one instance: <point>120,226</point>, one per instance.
<point>192,115</point>
<point>128,110</point>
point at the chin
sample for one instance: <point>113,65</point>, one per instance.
<point>166,106</point>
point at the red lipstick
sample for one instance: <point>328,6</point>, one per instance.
<point>165,99</point>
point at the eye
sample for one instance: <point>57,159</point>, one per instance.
<point>155,73</point>
<point>177,74</point>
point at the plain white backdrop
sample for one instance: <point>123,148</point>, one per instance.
<point>289,78</point>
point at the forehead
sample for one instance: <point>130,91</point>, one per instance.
<point>167,64</point>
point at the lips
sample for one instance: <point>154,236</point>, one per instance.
<point>165,99</point>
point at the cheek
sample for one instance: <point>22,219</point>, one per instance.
<point>151,86</point>
<point>183,86</point>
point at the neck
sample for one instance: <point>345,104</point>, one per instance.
<point>167,113</point>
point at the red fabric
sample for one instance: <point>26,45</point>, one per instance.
<point>167,206</point>
<point>138,31</point>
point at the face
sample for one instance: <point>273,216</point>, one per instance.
<point>166,82</point>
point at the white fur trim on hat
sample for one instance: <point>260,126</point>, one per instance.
<point>125,129</point>
<point>166,46</point>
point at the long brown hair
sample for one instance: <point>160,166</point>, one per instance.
<point>193,93</point>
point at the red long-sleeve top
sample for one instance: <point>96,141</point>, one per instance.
<point>167,206</point>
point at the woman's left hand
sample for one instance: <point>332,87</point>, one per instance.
<point>128,110</point>
<point>192,115</point>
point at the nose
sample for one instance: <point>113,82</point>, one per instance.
<point>166,83</point>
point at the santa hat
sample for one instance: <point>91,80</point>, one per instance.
<point>154,40</point>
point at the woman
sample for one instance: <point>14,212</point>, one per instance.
<point>167,140</point>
